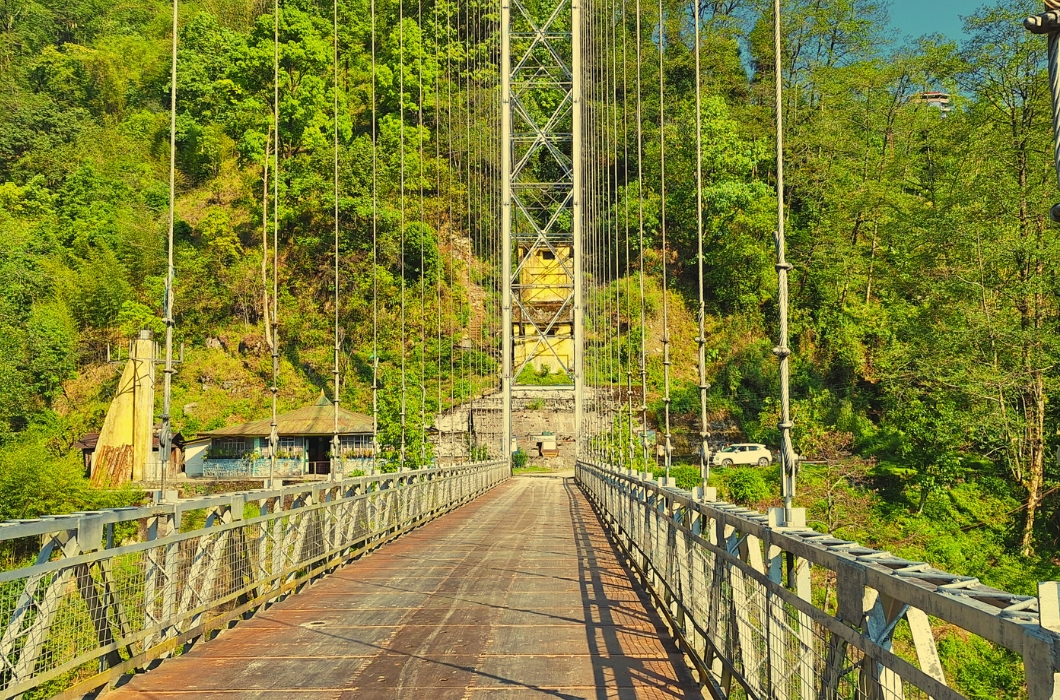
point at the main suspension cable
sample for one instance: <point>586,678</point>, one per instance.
<point>625,202</point>
<point>616,405</point>
<point>667,445</point>
<point>472,440</point>
<point>701,340</point>
<point>451,278</point>
<point>640,233</point>
<point>274,437</point>
<point>375,259</point>
<point>441,264</point>
<point>165,434</point>
<point>788,458</point>
<point>421,176</point>
<point>336,445</point>
<point>401,197</point>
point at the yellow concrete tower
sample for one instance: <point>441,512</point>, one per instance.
<point>124,445</point>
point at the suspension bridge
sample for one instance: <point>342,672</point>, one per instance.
<point>454,578</point>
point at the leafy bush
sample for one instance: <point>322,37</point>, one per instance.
<point>684,400</point>
<point>34,482</point>
<point>519,459</point>
<point>421,250</point>
<point>981,670</point>
<point>686,477</point>
<point>745,486</point>
<point>543,377</point>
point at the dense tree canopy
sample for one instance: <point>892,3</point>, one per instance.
<point>925,298</point>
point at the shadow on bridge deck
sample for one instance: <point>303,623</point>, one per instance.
<point>516,595</point>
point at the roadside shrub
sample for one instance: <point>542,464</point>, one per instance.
<point>686,477</point>
<point>745,486</point>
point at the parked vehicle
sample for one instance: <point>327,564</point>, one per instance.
<point>747,453</point>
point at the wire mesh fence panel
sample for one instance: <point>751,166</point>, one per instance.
<point>736,588</point>
<point>92,612</point>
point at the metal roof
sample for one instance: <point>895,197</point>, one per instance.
<point>318,419</point>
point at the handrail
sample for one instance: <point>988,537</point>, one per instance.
<point>765,563</point>
<point>35,527</point>
<point>87,612</point>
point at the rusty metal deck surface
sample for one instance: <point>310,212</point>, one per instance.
<point>516,595</point>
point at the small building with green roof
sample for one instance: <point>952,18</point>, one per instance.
<point>304,448</point>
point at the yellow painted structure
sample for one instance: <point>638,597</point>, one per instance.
<point>125,440</point>
<point>545,290</point>
<point>544,278</point>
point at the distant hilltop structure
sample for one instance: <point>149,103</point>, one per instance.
<point>938,100</point>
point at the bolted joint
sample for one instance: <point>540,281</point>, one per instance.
<point>784,267</point>
<point>1045,23</point>
<point>785,425</point>
<point>782,352</point>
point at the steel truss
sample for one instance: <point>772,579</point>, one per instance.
<point>542,171</point>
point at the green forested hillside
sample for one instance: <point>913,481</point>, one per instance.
<point>924,293</point>
<point>84,98</point>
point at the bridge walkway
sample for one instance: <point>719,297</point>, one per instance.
<point>516,595</point>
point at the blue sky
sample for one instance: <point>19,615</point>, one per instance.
<point>917,17</point>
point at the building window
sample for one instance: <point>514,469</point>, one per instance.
<point>290,448</point>
<point>548,255</point>
<point>356,446</point>
<point>229,448</point>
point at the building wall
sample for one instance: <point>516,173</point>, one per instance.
<point>195,466</point>
<point>193,454</point>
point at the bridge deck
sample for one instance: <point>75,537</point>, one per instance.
<point>516,595</point>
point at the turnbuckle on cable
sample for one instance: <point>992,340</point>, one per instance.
<point>1048,23</point>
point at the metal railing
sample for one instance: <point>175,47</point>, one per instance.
<point>113,590</point>
<point>771,609</point>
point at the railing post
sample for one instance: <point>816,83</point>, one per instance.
<point>1040,656</point>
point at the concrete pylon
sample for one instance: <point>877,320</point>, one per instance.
<point>124,446</point>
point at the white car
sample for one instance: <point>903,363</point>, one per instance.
<point>747,453</point>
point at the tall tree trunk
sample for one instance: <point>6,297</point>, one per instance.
<point>1036,459</point>
<point>872,262</point>
<point>265,241</point>
<point>1028,304</point>
<point>1036,398</point>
